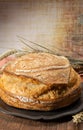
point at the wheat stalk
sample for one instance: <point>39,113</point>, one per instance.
<point>78,118</point>
<point>8,53</point>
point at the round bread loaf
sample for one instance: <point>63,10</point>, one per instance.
<point>39,81</point>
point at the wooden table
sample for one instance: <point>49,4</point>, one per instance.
<point>8,122</point>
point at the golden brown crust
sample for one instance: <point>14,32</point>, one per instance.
<point>58,86</point>
<point>38,104</point>
<point>45,67</point>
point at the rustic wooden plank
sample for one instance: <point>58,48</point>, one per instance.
<point>15,123</point>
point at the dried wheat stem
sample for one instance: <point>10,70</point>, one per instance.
<point>19,54</point>
<point>8,53</point>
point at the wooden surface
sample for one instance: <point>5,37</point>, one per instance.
<point>8,122</point>
<point>15,123</point>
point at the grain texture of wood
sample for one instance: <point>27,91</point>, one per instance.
<point>8,122</point>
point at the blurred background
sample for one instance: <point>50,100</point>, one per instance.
<point>55,24</point>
